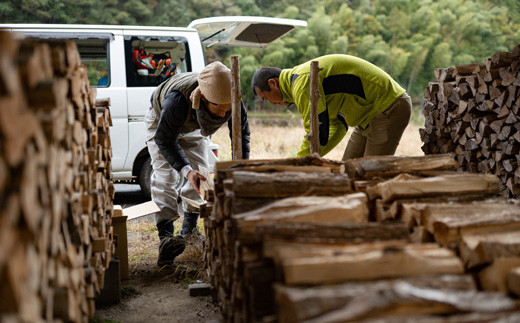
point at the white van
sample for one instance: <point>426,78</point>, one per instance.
<point>126,63</point>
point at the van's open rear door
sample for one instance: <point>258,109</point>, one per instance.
<point>243,31</point>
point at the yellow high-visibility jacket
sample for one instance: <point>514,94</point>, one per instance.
<point>353,91</point>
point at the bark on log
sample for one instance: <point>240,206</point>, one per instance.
<point>351,208</point>
<point>390,166</point>
<point>286,184</point>
<point>298,304</point>
<point>332,233</point>
<point>317,264</point>
<point>236,108</point>
<point>314,135</point>
<point>442,185</point>
<point>405,299</point>
<point>310,160</point>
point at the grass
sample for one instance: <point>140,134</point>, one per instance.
<point>274,115</point>
<point>143,252</point>
<point>272,140</point>
<point>127,291</point>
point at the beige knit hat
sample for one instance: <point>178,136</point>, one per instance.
<point>214,83</point>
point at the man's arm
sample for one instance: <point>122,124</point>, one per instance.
<point>301,93</point>
<point>173,115</point>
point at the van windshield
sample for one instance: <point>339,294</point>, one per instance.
<point>151,60</point>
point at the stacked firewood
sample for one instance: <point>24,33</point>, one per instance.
<point>459,211</point>
<point>56,188</point>
<point>309,240</point>
<point>473,111</point>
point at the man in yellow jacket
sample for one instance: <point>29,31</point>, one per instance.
<point>354,93</point>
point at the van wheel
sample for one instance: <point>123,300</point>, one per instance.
<point>145,178</point>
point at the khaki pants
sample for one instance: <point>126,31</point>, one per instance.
<point>383,133</point>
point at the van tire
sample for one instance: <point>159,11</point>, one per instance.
<point>145,177</point>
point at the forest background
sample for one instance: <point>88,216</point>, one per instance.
<point>406,38</point>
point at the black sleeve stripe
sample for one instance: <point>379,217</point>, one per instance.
<point>323,119</point>
<point>293,77</point>
<point>342,119</point>
<point>343,83</point>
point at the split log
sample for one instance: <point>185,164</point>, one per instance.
<point>510,316</point>
<point>441,185</point>
<point>487,97</point>
<point>318,264</point>
<point>449,223</point>
<point>513,281</point>
<point>483,248</point>
<point>287,184</point>
<point>352,208</point>
<point>332,233</point>
<point>298,304</point>
<point>288,168</point>
<point>421,235</point>
<point>411,210</point>
<point>407,300</point>
<point>494,277</point>
<point>390,166</point>
<point>310,160</point>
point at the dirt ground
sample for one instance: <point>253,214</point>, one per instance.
<point>156,298</point>
<point>154,294</point>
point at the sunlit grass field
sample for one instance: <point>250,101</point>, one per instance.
<point>282,136</point>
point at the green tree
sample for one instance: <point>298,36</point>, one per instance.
<point>441,56</point>
<point>407,38</point>
<point>320,26</point>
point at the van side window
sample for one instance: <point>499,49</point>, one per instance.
<point>94,54</point>
<point>92,48</point>
<point>151,60</point>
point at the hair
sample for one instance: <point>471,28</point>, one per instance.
<point>262,76</point>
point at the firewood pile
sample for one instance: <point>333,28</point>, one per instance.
<point>56,188</point>
<point>473,111</point>
<point>379,238</point>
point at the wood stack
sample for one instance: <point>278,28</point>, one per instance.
<point>56,188</point>
<point>305,240</point>
<point>473,110</point>
<point>242,186</point>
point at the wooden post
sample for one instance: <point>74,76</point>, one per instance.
<point>235,108</point>
<point>314,135</point>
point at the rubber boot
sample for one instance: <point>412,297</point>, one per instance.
<point>189,224</point>
<point>165,229</point>
<point>169,246</point>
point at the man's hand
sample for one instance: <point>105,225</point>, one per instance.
<point>195,177</point>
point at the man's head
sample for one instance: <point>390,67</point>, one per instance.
<point>214,89</point>
<point>265,85</point>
